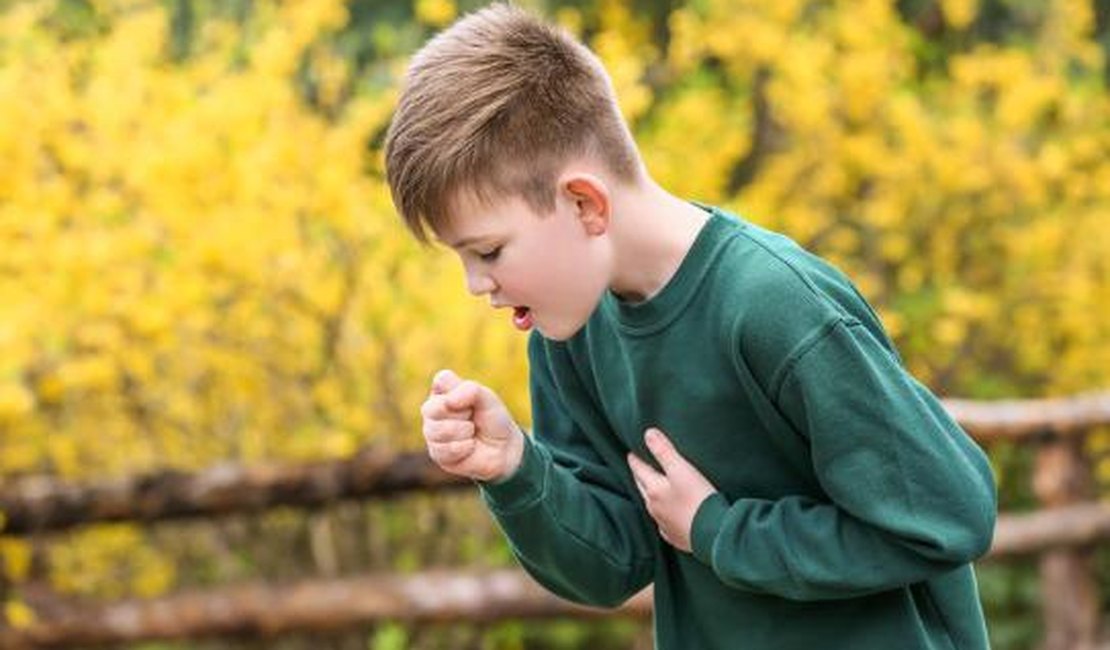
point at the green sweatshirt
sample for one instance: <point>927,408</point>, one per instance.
<point>849,504</point>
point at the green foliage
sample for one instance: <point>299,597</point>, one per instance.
<point>389,637</point>
<point>1011,597</point>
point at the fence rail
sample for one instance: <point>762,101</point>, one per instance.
<point>44,504</point>
<point>1062,532</point>
<point>319,606</point>
<point>41,504</point>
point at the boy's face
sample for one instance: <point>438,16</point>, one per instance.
<point>550,269</point>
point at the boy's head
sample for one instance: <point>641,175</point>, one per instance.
<point>492,108</point>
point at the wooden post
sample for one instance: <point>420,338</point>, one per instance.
<point>1069,593</point>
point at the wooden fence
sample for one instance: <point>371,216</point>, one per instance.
<point>1063,531</point>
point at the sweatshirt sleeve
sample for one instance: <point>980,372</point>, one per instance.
<point>569,519</point>
<point>909,494</point>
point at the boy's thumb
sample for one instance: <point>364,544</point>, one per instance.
<point>465,395</point>
<point>444,381</point>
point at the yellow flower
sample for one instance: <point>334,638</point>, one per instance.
<point>437,13</point>
<point>15,401</point>
<point>18,613</point>
<point>16,555</point>
<point>959,13</point>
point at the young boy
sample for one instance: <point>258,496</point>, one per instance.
<point>715,410</point>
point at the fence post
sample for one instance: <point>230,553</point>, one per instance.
<point>1069,594</point>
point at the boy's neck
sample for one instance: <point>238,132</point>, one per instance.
<point>652,231</point>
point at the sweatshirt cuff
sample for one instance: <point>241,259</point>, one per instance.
<point>706,525</point>
<point>524,487</point>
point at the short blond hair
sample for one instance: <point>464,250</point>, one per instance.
<point>494,105</point>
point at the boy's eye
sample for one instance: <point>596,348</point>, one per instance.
<point>491,255</point>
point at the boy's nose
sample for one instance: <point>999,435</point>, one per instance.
<point>479,283</point>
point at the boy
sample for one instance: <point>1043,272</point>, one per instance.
<point>715,410</point>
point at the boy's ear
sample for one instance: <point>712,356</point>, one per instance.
<point>590,198</point>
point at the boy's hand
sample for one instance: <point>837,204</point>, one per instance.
<point>673,497</point>
<point>468,430</point>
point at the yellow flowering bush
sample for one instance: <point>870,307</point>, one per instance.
<point>968,199</point>
<point>200,265</point>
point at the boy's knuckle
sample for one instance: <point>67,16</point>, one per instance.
<point>468,387</point>
<point>433,430</point>
<point>459,448</point>
<point>443,454</point>
<point>452,431</point>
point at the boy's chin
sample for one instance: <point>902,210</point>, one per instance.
<point>564,333</point>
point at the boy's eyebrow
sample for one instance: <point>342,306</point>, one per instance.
<point>467,241</point>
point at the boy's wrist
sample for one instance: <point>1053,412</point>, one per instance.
<point>515,456</point>
<point>525,486</point>
<point>705,526</point>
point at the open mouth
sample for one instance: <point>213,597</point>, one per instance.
<point>522,318</point>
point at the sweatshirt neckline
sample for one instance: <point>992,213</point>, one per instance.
<point>667,304</point>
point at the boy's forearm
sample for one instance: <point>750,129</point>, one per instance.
<point>801,549</point>
<point>906,494</point>
<point>583,542</point>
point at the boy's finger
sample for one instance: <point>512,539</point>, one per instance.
<point>639,486</point>
<point>448,453</point>
<point>463,396</point>
<point>645,475</point>
<point>436,431</point>
<point>437,408</point>
<point>660,447</point>
<point>444,381</point>
<point>641,468</point>
<point>434,408</point>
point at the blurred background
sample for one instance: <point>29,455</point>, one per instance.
<point>201,268</point>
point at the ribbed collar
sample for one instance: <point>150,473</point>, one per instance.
<point>660,310</point>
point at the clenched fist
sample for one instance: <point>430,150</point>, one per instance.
<point>468,430</point>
